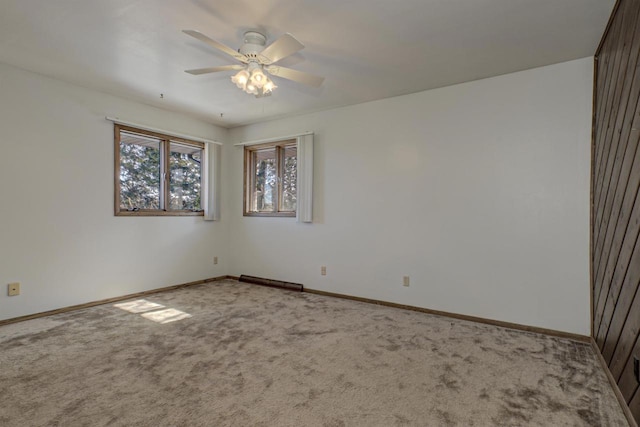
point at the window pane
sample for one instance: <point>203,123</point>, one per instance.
<point>264,180</point>
<point>139,172</point>
<point>289,175</point>
<point>185,179</point>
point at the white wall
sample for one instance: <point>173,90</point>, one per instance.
<point>479,192</point>
<point>58,234</point>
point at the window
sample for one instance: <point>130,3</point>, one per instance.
<point>270,179</point>
<point>157,174</point>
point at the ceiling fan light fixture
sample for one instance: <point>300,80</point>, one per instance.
<point>251,89</point>
<point>241,79</point>
<point>254,82</point>
<point>258,78</point>
<point>268,87</point>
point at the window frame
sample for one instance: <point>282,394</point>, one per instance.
<point>165,173</point>
<point>280,147</point>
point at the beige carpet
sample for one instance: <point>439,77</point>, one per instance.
<point>255,356</point>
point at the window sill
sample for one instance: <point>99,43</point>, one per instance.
<point>159,213</point>
<point>271,214</point>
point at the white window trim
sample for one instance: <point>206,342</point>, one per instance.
<point>304,186</point>
<point>162,131</point>
<point>276,139</point>
<point>211,188</point>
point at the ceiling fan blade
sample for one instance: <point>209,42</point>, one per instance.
<point>296,76</point>
<point>216,45</point>
<point>286,45</point>
<point>199,71</point>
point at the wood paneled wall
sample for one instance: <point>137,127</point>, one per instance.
<point>615,247</point>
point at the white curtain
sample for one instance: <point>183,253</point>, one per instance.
<point>211,182</point>
<point>304,210</point>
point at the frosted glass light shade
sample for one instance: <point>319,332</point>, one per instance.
<point>241,79</point>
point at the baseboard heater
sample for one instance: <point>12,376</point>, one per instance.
<point>272,283</point>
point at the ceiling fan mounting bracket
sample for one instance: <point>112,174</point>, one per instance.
<point>254,37</point>
<point>253,43</point>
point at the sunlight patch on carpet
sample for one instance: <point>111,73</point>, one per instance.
<point>166,316</point>
<point>138,306</point>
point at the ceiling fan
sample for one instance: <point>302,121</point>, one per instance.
<point>258,59</point>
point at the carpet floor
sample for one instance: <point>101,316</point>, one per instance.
<point>234,354</point>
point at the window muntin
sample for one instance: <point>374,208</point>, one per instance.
<point>157,174</point>
<point>270,179</point>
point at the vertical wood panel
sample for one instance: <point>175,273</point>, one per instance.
<point>603,101</point>
<point>607,133</point>
<point>624,241</point>
<point>615,227</point>
<point>621,98</point>
<point>602,148</point>
<point>619,236</point>
<point>619,72</point>
<point>623,329</point>
<point>615,234</point>
<point>605,59</point>
<point>634,405</point>
<point>624,373</point>
<point>612,58</point>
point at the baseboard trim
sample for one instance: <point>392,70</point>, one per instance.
<point>614,385</point>
<point>517,326</point>
<point>109,300</point>
<point>279,284</point>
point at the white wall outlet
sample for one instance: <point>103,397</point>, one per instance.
<point>14,289</point>
<point>405,281</point>
<point>323,270</point>
<point>215,259</point>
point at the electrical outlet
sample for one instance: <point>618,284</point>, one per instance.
<point>14,289</point>
<point>636,368</point>
<point>405,281</point>
<point>215,259</point>
<point>323,270</point>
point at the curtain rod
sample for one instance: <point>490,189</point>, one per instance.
<point>166,132</point>
<point>278,138</point>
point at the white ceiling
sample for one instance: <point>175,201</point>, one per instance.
<point>366,49</point>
